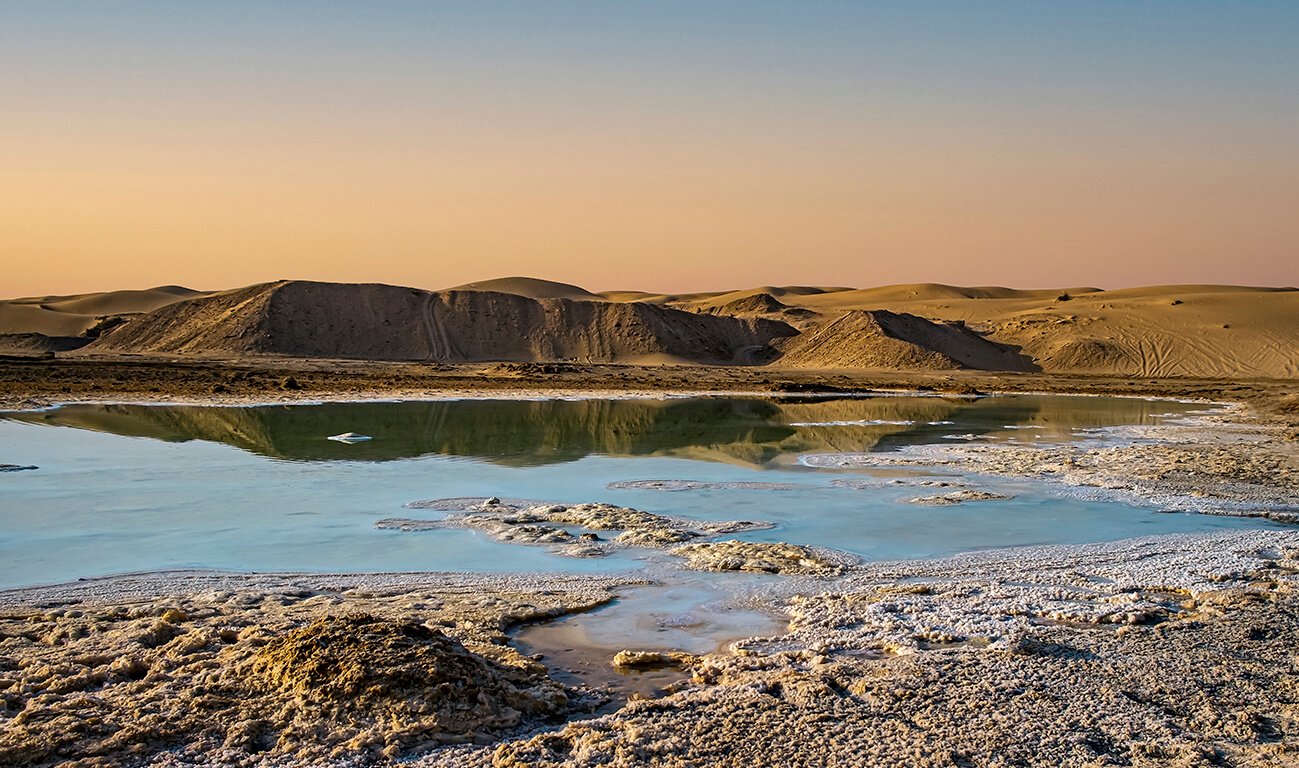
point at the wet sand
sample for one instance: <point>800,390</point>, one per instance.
<point>38,382</point>
<point>676,614</point>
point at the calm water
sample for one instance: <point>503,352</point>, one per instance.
<point>130,488</point>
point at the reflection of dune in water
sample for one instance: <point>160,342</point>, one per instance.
<point>750,432</point>
<point>505,431</point>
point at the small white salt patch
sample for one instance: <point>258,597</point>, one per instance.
<point>350,437</point>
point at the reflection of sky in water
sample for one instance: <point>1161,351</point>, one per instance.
<point>141,488</point>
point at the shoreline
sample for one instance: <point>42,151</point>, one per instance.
<point>37,383</point>
<point>593,394</point>
<point>153,583</point>
<point>999,607</point>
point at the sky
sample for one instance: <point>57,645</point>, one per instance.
<point>661,146</point>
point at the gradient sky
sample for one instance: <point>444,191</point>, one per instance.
<point>667,146</point>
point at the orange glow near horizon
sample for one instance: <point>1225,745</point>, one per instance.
<point>635,176</point>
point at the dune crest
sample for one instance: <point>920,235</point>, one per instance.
<point>532,288</point>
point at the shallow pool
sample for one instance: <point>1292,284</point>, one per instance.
<point>122,488</point>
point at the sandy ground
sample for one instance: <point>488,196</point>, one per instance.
<point>1162,651</point>
<point>72,315</point>
<point>33,383</point>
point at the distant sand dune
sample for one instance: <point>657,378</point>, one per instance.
<point>891,294</point>
<point>883,339</point>
<point>1209,331</point>
<point>761,303</point>
<point>72,315</point>
<point>58,323</point>
<point>531,287</point>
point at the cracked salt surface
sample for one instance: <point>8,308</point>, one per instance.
<point>1217,464</point>
<point>997,597</point>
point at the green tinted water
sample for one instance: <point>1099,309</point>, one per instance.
<point>127,487</point>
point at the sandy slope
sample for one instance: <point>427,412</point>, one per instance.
<point>383,322</point>
<point>883,339</point>
<point>1164,330</point>
<point>1205,331</point>
<point>72,315</point>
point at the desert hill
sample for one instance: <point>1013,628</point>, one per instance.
<point>46,324</point>
<point>530,287</point>
<point>73,315</point>
<point>1206,331</point>
<point>384,322</point>
<point>695,300</point>
<point>882,339</point>
<point>1155,331</point>
<point>755,303</point>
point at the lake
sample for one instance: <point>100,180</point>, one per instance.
<point>122,488</point>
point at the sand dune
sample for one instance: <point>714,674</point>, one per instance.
<point>18,318</point>
<point>890,296</point>
<point>383,322</point>
<point>883,339</point>
<point>74,315</point>
<point>532,288</point>
<point>1205,331</point>
<point>779,291</point>
<point>648,298</point>
<point>760,303</point>
<point>694,300</point>
<point>1158,331</point>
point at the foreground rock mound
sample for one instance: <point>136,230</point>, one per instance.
<point>898,341</point>
<point>384,322</point>
<point>368,673</point>
<point>271,670</point>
